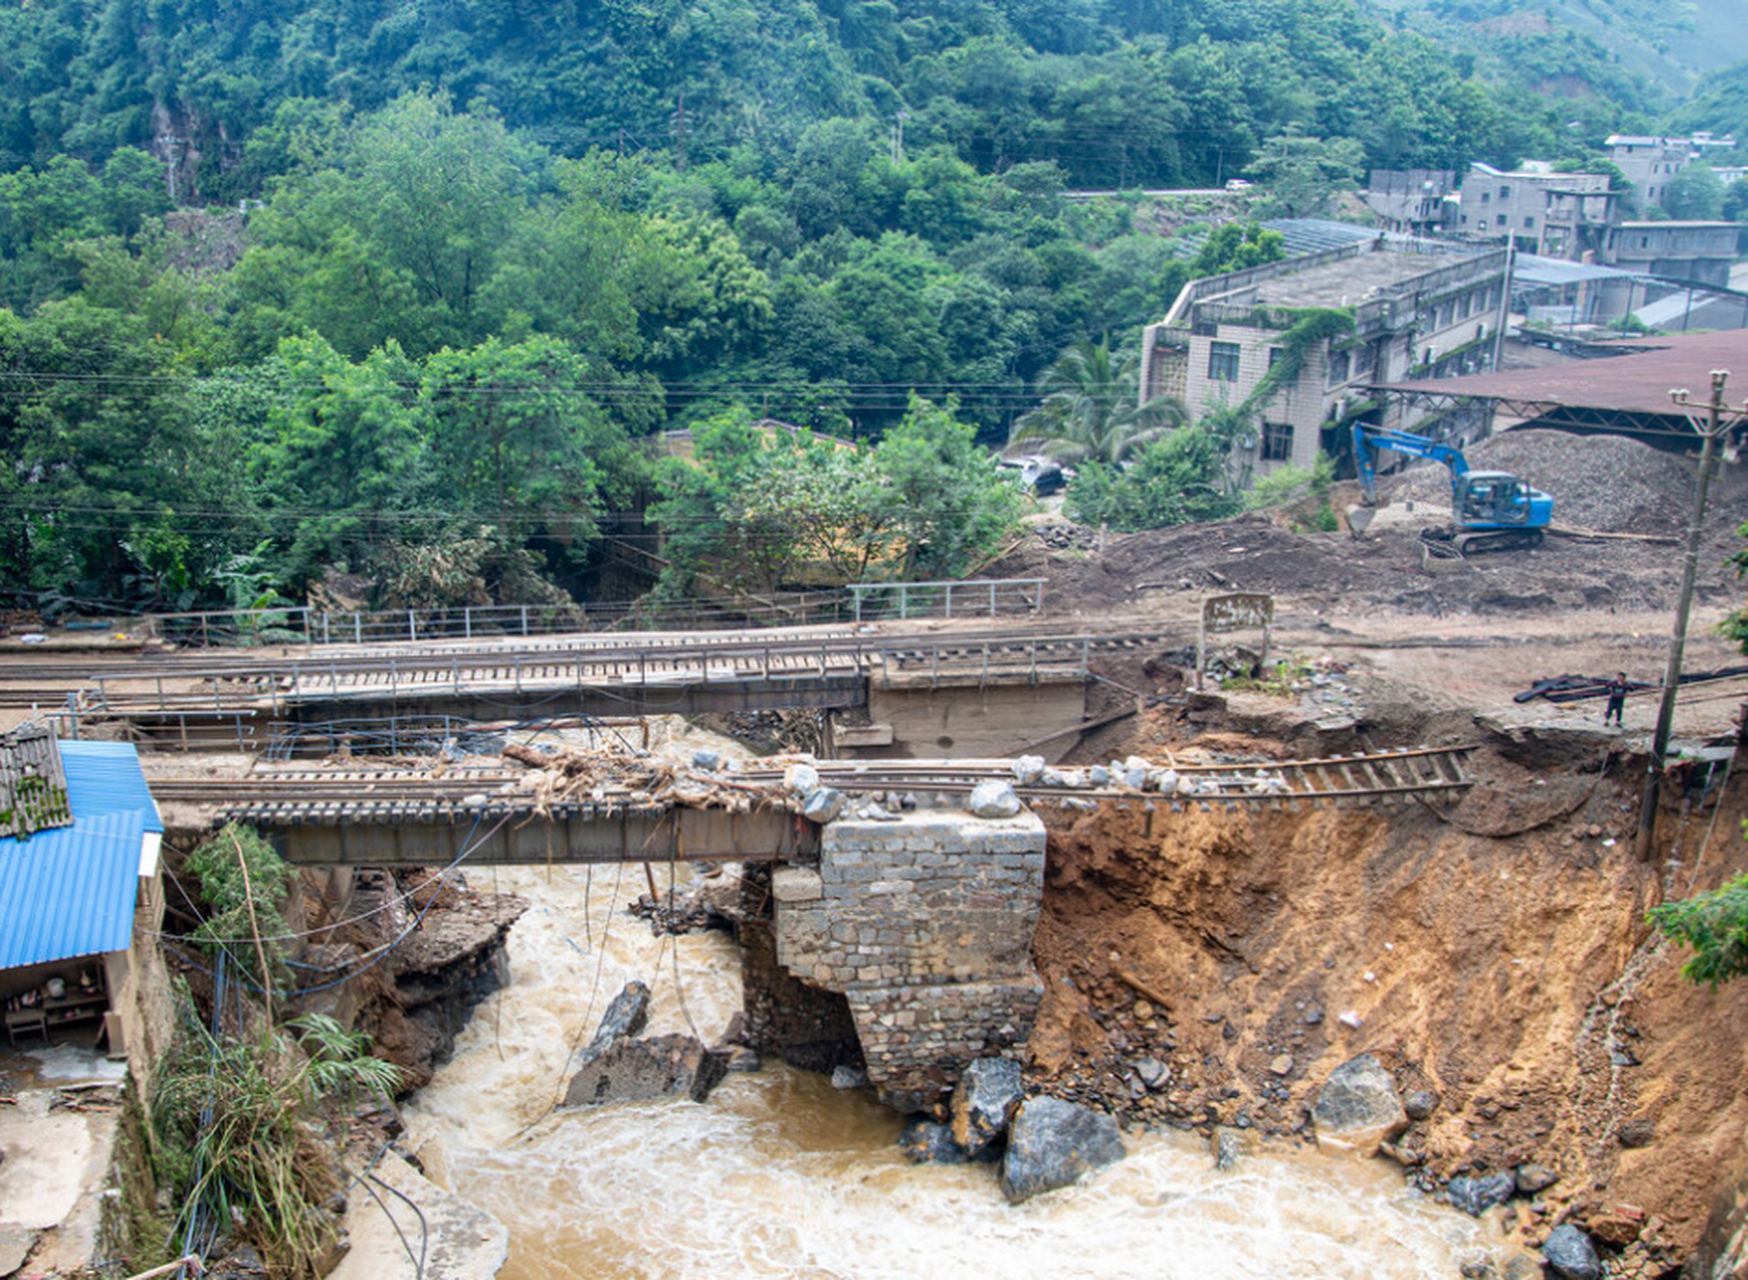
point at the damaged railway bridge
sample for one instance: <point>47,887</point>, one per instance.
<point>909,924</point>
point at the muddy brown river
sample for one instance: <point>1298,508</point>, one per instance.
<point>780,1175</point>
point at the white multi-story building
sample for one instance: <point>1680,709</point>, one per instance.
<point>1418,311</point>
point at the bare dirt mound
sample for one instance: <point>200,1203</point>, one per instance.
<point>1607,483</point>
<point>1601,483</point>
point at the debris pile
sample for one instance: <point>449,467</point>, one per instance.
<point>638,779</point>
<point>1607,483</point>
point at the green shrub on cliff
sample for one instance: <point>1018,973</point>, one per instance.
<point>1715,925</point>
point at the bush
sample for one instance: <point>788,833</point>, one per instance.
<point>1715,925</point>
<point>1174,480</point>
<point>243,883</point>
<point>239,1134</point>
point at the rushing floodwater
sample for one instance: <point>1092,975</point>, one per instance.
<point>779,1175</point>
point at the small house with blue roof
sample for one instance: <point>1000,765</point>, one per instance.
<point>79,847</point>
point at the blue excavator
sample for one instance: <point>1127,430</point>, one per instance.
<point>1490,510</point>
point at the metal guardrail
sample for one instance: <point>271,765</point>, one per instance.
<point>300,624</point>
<point>979,597</point>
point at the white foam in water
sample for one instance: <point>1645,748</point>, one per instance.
<point>779,1175</point>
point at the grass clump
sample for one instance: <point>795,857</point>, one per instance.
<point>247,1129</point>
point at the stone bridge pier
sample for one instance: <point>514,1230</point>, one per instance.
<point>924,924</point>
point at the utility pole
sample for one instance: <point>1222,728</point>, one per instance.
<point>1712,431</point>
<point>898,137</point>
<point>680,133</point>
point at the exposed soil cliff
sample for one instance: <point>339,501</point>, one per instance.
<point>1494,953</point>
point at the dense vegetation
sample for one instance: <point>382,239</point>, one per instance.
<point>407,291</point>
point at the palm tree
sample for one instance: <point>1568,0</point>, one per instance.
<point>1090,407</point>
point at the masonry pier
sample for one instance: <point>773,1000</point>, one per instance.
<point>924,924</point>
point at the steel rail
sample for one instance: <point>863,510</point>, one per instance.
<point>292,793</point>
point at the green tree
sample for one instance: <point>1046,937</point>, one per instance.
<point>1735,205</point>
<point>1304,174</point>
<point>346,463</point>
<point>517,438</point>
<point>710,536</point>
<point>94,424</point>
<point>1695,193</point>
<point>1090,407</point>
<point>953,506</point>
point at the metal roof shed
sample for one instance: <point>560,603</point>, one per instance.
<point>70,892</point>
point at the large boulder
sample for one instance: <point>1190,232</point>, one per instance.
<point>994,799</point>
<point>1570,1255</point>
<point>985,1099</point>
<point>627,1015</point>
<point>926,1141</point>
<point>1474,1196</point>
<point>1358,1108</point>
<point>644,1070</point>
<point>1053,1144</point>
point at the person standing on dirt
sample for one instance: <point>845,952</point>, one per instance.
<point>1618,688</point>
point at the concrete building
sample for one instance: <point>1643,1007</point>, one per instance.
<point>1418,311</point>
<point>1649,163</point>
<point>1702,252</point>
<point>1411,202</point>
<point>1557,214</point>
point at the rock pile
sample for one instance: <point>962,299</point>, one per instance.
<point>1066,537</point>
<point>1042,1143</point>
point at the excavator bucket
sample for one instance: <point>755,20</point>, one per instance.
<point>1359,519</point>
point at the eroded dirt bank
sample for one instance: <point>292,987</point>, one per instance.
<point>1494,954</point>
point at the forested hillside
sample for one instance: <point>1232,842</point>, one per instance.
<point>406,288</point>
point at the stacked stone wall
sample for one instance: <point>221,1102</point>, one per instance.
<point>925,924</point>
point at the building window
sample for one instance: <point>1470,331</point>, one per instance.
<point>1529,222</point>
<point>1447,314</point>
<point>1483,224</point>
<point>1277,442</point>
<point>1505,193</point>
<point>1338,367</point>
<point>1276,354</point>
<point>1486,197</point>
<point>1644,242</point>
<point>1223,361</point>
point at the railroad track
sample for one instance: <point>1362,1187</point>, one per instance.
<point>674,661</point>
<point>287,797</point>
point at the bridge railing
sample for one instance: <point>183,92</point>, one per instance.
<point>980,597</point>
<point>228,628</point>
<point>302,624</point>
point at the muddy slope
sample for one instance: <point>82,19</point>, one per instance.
<point>1494,954</point>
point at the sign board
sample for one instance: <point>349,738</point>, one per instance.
<point>1234,611</point>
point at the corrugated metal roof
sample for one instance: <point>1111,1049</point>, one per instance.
<point>1536,269</point>
<point>105,777</point>
<point>70,892</point>
<point>1636,381</point>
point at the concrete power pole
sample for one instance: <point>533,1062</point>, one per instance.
<point>1712,431</point>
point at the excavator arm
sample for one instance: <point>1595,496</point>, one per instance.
<point>1365,439</point>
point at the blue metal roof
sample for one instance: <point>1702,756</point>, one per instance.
<point>70,892</point>
<point>105,777</point>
